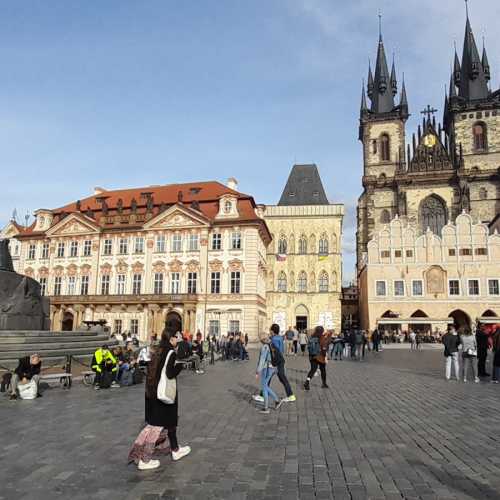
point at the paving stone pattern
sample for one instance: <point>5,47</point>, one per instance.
<point>388,428</point>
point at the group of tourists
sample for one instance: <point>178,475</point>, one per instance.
<point>474,353</point>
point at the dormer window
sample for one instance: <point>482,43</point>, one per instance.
<point>228,207</point>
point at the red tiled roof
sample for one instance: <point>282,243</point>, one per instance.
<point>205,194</point>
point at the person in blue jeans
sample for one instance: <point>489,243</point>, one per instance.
<point>264,373</point>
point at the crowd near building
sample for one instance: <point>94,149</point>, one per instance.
<point>427,252</point>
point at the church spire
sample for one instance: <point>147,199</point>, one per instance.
<point>394,81</point>
<point>370,80</point>
<point>382,97</point>
<point>364,107</point>
<point>453,92</point>
<point>473,80</point>
<point>486,64</point>
<point>403,103</point>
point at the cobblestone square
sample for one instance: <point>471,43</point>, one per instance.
<point>390,427</point>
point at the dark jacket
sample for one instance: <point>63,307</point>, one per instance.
<point>26,370</point>
<point>451,343</point>
<point>158,413</point>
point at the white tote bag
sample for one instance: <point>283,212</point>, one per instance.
<point>167,388</point>
<point>28,390</point>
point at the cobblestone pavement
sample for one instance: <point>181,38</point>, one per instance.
<point>389,427</point>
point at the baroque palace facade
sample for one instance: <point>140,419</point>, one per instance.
<point>304,259</point>
<point>189,256</point>
<point>413,194</point>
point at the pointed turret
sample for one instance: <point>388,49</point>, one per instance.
<point>370,81</point>
<point>486,65</point>
<point>453,91</point>
<point>394,81</point>
<point>364,107</point>
<point>473,82</point>
<point>382,98</point>
<point>457,70</point>
<point>403,103</point>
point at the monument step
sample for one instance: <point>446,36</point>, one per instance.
<point>50,361</point>
<point>5,341</point>
<point>47,333</point>
<point>50,346</point>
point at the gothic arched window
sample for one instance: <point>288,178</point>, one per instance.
<point>323,245</point>
<point>282,245</point>
<point>282,282</point>
<point>323,282</point>
<point>302,282</point>
<point>480,136</point>
<point>303,245</point>
<point>385,217</point>
<point>433,214</point>
<point>385,151</point>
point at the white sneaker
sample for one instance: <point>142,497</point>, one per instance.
<point>181,452</point>
<point>258,398</point>
<point>114,385</point>
<point>476,380</point>
<point>200,372</point>
<point>152,464</point>
<point>465,380</point>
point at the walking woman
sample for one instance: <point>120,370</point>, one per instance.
<point>265,371</point>
<point>318,345</point>
<point>161,418</point>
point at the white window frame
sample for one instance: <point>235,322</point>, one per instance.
<point>235,282</point>
<point>87,248</point>
<point>478,294</point>
<point>498,286</point>
<point>57,286</point>
<point>73,249</point>
<point>413,294</point>
<point>236,243</point>
<point>136,283</point>
<point>158,282</point>
<point>160,244</point>
<point>232,323</point>
<point>176,243</point>
<point>45,250</point>
<point>121,284</point>
<point>32,251</point>
<point>117,326</point>
<point>194,242</point>
<point>214,327</point>
<point>385,288</point>
<point>134,326</point>
<point>105,284</point>
<point>43,285</point>
<point>71,285</point>
<point>282,282</point>
<point>84,284</point>
<point>394,288</point>
<point>216,241</point>
<point>324,278</point>
<point>301,281</point>
<point>175,283</point>
<point>123,246</point>
<point>139,244</point>
<point>192,282</point>
<point>459,294</point>
<point>215,278</point>
<point>107,247</point>
<point>60,250</point>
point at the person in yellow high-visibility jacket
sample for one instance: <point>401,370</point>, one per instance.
<point>105,366</point>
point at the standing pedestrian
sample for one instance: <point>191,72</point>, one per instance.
<point>317,346</point>
<point>413,340</point>
<point>295,341</point>
<point>451,341</point>
<point>469,355</point>
<point>338,347</point>
<point>376,339</point>
<point>265,372</point>
<point>289,341</point>
<point>482,351</point>
<point>161,418</point>
<point>358,339</point>
<point>303,341</point>
<point>496,357</point>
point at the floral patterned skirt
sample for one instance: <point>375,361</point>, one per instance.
<point>150,440</point>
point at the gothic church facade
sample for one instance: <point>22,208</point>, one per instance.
<point>444,169</point>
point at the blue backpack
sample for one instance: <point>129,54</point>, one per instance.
<point>313,346</point>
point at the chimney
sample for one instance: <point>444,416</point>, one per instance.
<point>98,190</point>
<point>232,183</point>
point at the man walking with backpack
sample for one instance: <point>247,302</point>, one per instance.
<point>317,347</point>
<point>277,342</point>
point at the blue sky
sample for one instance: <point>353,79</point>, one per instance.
<point>131,93</point>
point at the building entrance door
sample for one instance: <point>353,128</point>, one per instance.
<point>301,323</point>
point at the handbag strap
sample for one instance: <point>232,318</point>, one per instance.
<point>166,361</point>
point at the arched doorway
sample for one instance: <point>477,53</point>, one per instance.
<point>420,326</point>
<point>301,318</point>
<point>489,314</point>
<point>173,323</point>
<point>461,320</point>
<point>67,321</point>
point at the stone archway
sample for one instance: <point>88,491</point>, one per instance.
<point>173,322</point>
<point>67,321</point>
<point>461,320</point>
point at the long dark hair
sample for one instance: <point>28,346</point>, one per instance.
<point>156,364</point>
